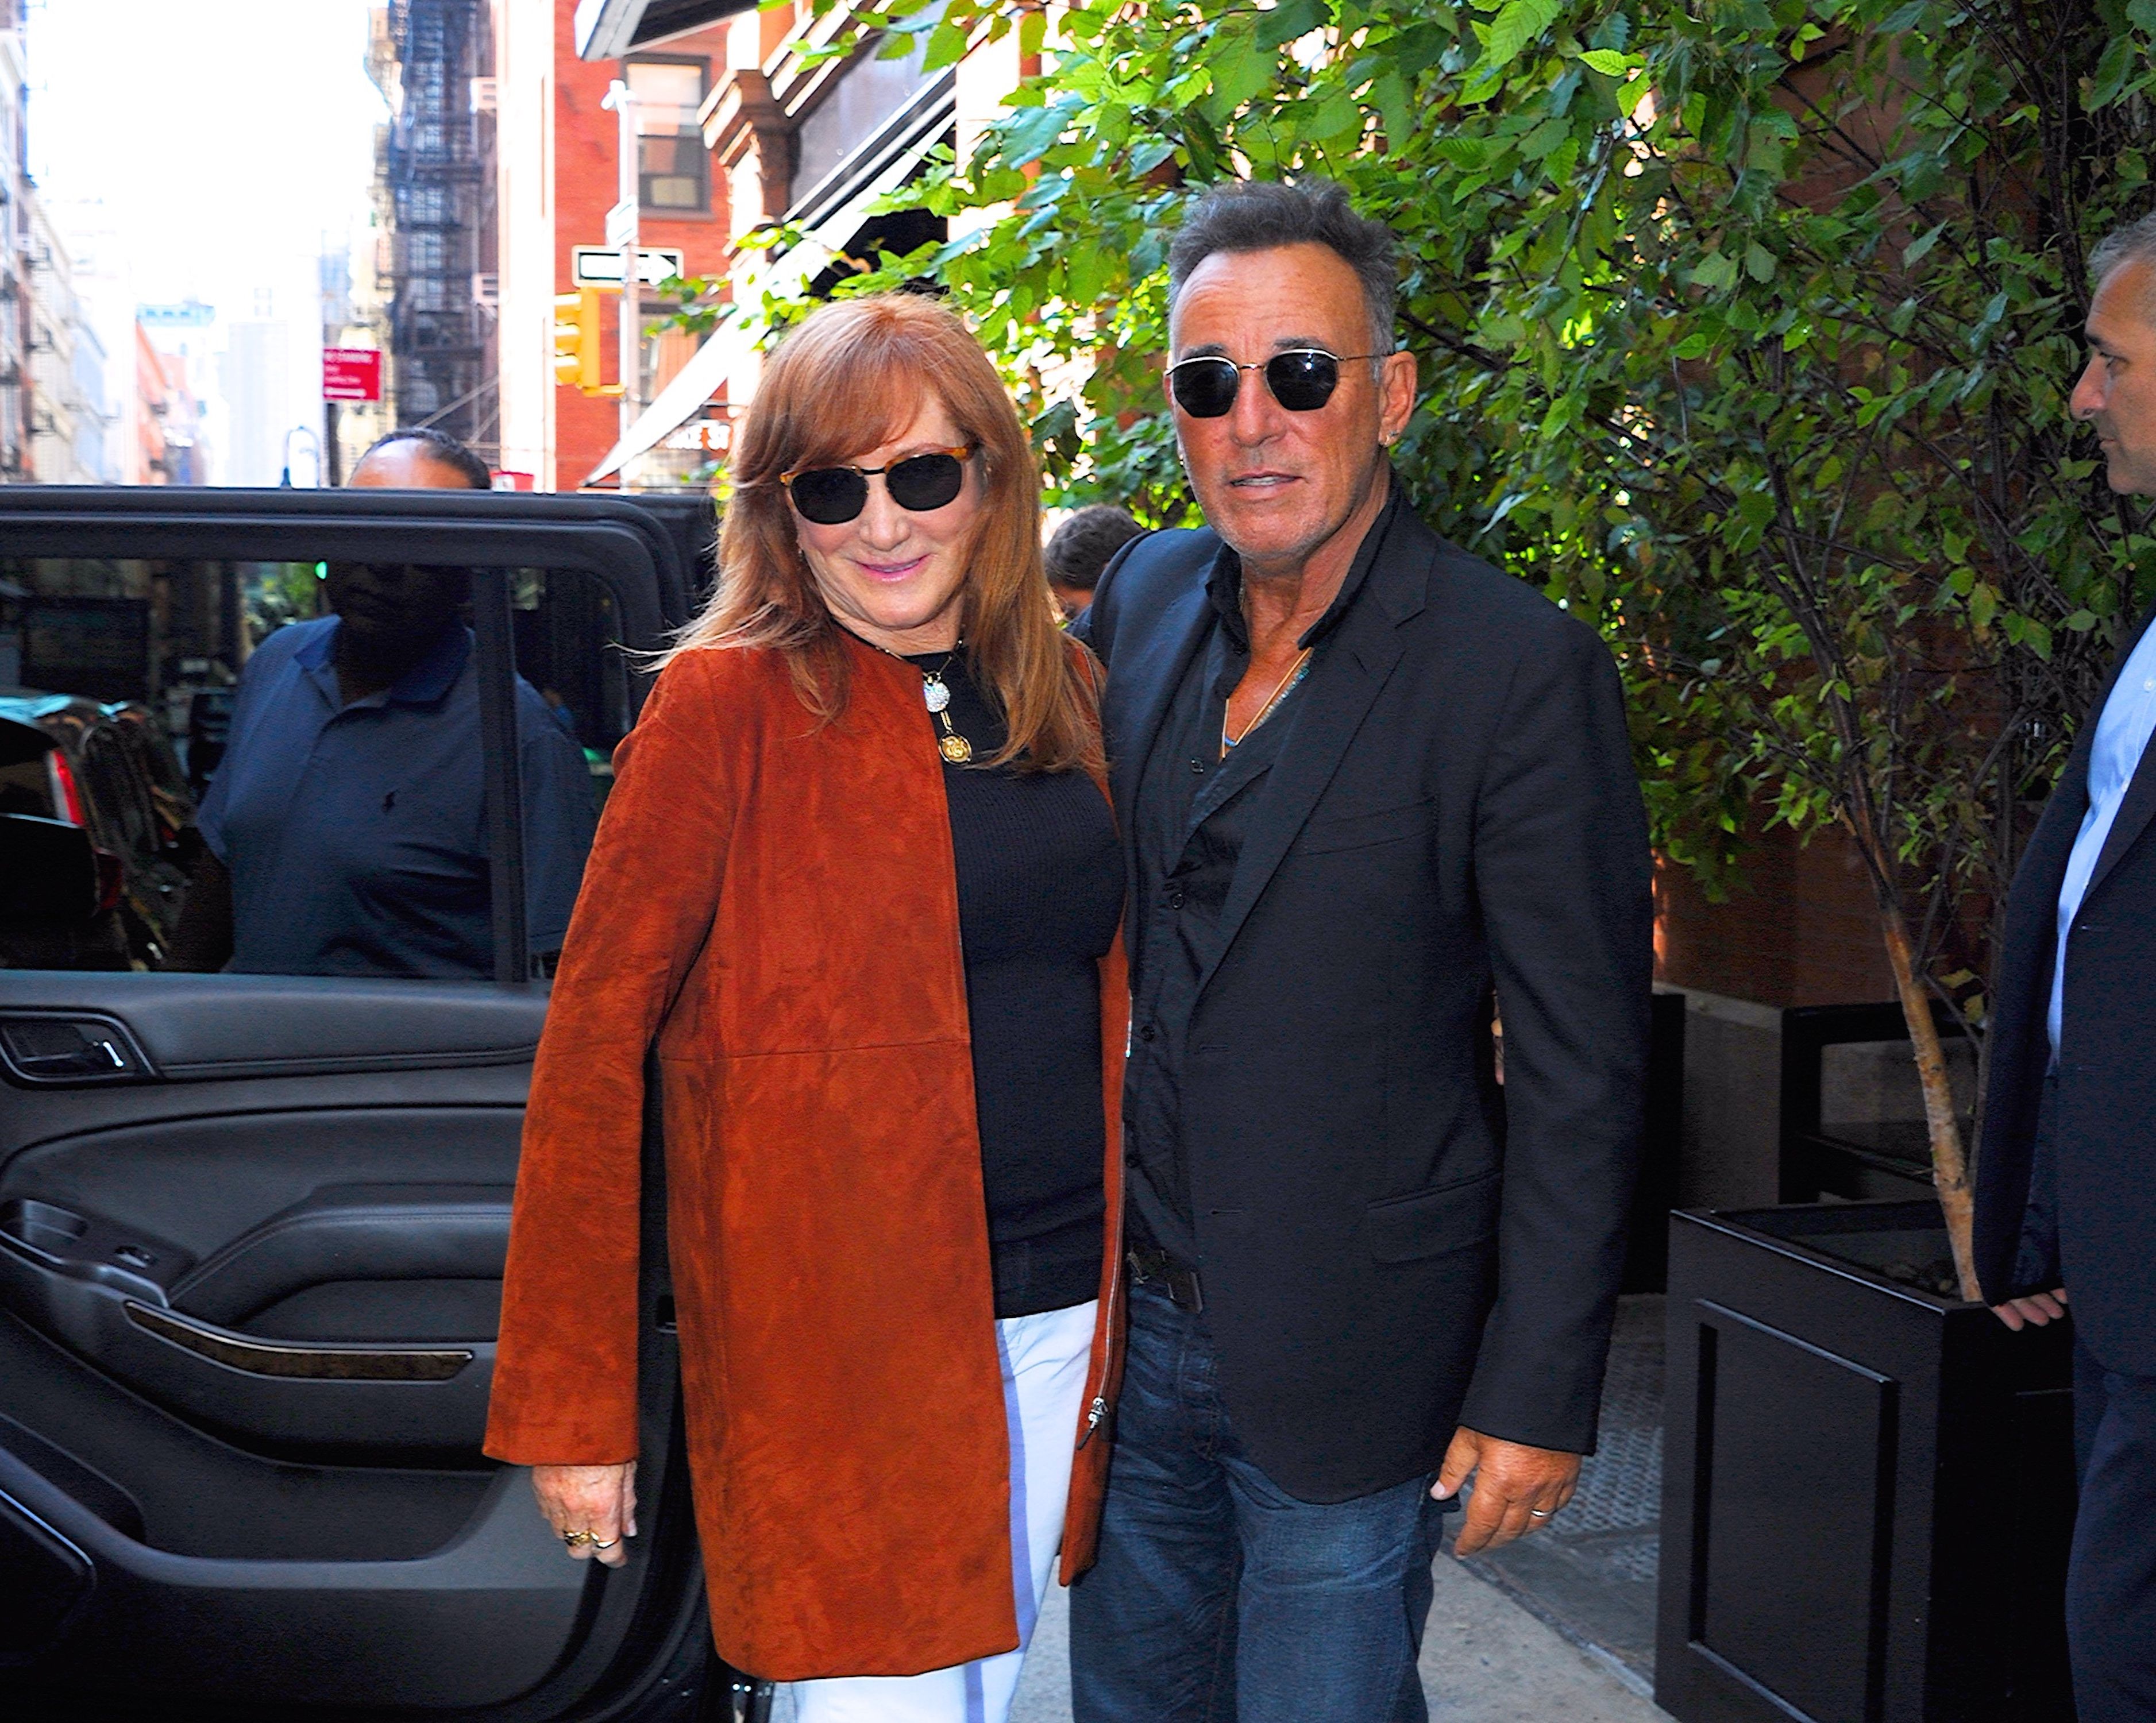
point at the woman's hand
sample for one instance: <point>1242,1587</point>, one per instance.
<point>598,1500</point>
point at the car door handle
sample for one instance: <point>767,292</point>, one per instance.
<point>321,1363</point>
<point>65,1049</point>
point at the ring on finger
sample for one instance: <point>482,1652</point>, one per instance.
<point>603,1543</point>
<point>578,1540</point>
<point>1540,1513</point>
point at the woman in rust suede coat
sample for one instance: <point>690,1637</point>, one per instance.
<point>892,1153</point>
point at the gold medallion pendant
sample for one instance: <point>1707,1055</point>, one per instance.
<point>956,749</point>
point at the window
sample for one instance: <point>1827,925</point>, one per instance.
<point>675,169</point>
<point>215,744</point>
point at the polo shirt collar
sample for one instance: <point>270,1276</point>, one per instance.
<point>421,685</point>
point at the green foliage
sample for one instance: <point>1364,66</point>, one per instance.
<point>1745,330</point>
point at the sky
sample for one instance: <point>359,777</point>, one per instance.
<point>223,135</point>
<point>229,143</point>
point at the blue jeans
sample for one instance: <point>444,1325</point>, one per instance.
<point>1218,1598</point>
<point>2111,1579</point>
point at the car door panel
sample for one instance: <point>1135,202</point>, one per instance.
<point>252,1231</point>
<point>190,1028</point>
<point>399,1632</point>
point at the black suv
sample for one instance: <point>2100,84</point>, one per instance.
<point>252,1226</point>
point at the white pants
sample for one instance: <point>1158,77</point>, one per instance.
<point>1045,1358</point>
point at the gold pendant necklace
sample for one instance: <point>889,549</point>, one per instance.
<point>935,694</point>
<point>952,746</point>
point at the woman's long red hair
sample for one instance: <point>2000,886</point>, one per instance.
<point>851,377</point>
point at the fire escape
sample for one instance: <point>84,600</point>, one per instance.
<point>437,203</point>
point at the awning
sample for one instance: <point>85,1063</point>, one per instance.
<point>837,210</point>
<point>607,30</point>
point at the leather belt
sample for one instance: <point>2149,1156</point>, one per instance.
<point>1149,1262</point>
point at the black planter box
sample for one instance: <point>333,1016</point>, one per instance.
<point>1868,1488</point>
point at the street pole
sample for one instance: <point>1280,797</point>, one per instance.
<point>622,225</point>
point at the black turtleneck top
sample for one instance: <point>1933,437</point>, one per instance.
<point>1040,893</point>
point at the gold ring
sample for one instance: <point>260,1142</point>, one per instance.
<point>576,1540</point>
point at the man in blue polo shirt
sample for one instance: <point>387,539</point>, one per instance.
<point>347,818</point>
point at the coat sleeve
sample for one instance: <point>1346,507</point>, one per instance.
<point>565,1370</point>
<point>1565,880</point>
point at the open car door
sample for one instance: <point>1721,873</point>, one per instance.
<point>252,1225</point>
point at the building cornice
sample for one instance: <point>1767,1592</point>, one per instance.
<point>740,114</point>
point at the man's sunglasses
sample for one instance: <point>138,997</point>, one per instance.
<point>1303,380</point>
<point>831,496</point>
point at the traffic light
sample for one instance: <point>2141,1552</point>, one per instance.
<point>578,349</point>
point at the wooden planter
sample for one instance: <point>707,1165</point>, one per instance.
<point>1868,1488</point>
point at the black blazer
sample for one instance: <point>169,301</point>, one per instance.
<point>2104,1241</point>
<point>1390,1245</point>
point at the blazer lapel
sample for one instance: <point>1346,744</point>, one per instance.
<point>2139,803</point>
<point>1336,700</point>
<point>1151,668</point>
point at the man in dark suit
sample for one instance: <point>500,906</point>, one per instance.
<point>1364,782</point>
<point>2066,1185</point>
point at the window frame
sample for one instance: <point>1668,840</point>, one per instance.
<point>672,212</point>
<point>491,533</point>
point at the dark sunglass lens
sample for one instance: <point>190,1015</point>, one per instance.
<point>1302,382</point>
<point>1205,388</point>
<point>831,496</point>
<point>927,481</point>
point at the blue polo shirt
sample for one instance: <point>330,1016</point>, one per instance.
<point>356,835</point>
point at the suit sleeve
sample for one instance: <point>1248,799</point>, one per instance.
<point>565,1387</point>
<point>1565,880</point>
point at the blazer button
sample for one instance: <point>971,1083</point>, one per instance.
<point>1175,897</point>
<point>1147,1034</point>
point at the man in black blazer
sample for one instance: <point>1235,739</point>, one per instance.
<point>1365,783</point>
<point>2066,1183</point>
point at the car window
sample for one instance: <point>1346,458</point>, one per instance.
<point>279,765</point>
<point>567,633</point>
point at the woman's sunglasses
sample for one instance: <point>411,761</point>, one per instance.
<point>1303,380</point>
<point>831,496</point>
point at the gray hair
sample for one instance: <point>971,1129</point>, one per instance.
<point>1261,215</point>
<point>2135,242</point>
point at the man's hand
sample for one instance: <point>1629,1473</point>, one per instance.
<point>2037,1308</point>
<point>596,1503</point>
<point>1516,1487</point>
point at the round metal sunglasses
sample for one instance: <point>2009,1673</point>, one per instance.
<point>831,496</point>
<point>1301,379</point>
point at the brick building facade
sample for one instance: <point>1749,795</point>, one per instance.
<point>558,174</point>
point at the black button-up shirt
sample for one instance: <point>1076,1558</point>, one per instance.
<point>1194,811</point>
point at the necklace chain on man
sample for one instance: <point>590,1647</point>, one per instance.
<point>1281,689</point>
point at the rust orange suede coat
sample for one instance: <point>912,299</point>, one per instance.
<point>775,903</point>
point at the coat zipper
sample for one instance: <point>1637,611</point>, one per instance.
<point>1099,1409</point>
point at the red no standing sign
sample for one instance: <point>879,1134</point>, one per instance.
<point>352,374</point>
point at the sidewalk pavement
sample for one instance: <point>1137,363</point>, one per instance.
<point>1485,1660</point>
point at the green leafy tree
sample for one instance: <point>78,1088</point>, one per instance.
<point>1745,330</point>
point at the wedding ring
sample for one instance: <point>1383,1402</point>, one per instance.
<point>603,1543</point>
<point>1539,1513</point>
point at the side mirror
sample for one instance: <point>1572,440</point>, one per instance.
<point>49,871</point>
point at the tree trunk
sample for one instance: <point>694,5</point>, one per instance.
<point>1950,1164</point>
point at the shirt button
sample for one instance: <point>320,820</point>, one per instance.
<point>2149,686</point>
<point>1145,1033</point>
